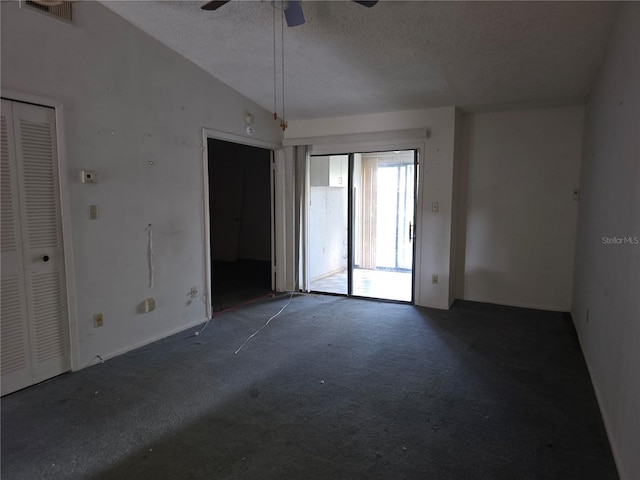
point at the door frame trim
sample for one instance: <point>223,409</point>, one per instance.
<point>65,216</point>
<point>241,140</point>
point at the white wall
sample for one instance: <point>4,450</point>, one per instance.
<point>520,218</point>
<point>128,100</point>
<point>606,303</point>
<point>397,131</point>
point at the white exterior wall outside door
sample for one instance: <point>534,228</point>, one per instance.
<point>35,340</point>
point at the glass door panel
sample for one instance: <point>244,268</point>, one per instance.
<point>328,229</point>
<point>383,192</point>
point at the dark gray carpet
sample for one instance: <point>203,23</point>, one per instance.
<point>333,388</point>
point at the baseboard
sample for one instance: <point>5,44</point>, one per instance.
<point>603,412</point>
<point>533,306</point>
<point>99,356</point>
<point>436,306</point>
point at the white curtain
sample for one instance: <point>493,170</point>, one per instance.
<point>290,217</point>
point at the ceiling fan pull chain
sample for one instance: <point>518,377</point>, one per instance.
<point>275,81</point>
<point>288,6</point>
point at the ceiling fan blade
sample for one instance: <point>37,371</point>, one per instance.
<point>49,3</point>
<point>293,13</point>
<point>366,3</point>
<point>214,5</point>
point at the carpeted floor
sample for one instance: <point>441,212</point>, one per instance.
<point>333,388</point>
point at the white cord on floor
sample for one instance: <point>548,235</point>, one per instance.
<point>264,326</point>
<point>198,332</point>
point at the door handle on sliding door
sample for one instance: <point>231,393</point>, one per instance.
<point>410,232</point>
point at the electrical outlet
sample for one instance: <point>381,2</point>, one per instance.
<point>93,212</point>
<point>434,278</point>
<point>149,305</point>
<point>98,319</point>
<point>88,176</point>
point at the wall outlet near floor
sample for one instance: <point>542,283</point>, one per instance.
<point>98,320</point>
<point>434,278</point>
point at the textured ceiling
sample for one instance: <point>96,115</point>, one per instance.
<point>347,59</point>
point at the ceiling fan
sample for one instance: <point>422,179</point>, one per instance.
<point>50,3</point>
<point>292,9</point>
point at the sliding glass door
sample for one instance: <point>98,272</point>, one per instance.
<point>383,228</point>
<point>361,224</point>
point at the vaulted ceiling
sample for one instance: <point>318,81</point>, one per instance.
<point>347,59</point>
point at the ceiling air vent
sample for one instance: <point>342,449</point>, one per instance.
<point>56,8</point>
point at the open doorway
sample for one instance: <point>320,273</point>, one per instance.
<point>240,223</point>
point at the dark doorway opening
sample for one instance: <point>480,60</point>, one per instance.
<point>240,223</point>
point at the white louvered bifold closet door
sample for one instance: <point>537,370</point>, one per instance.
<point>16,358</point>
<point>35,343</point>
